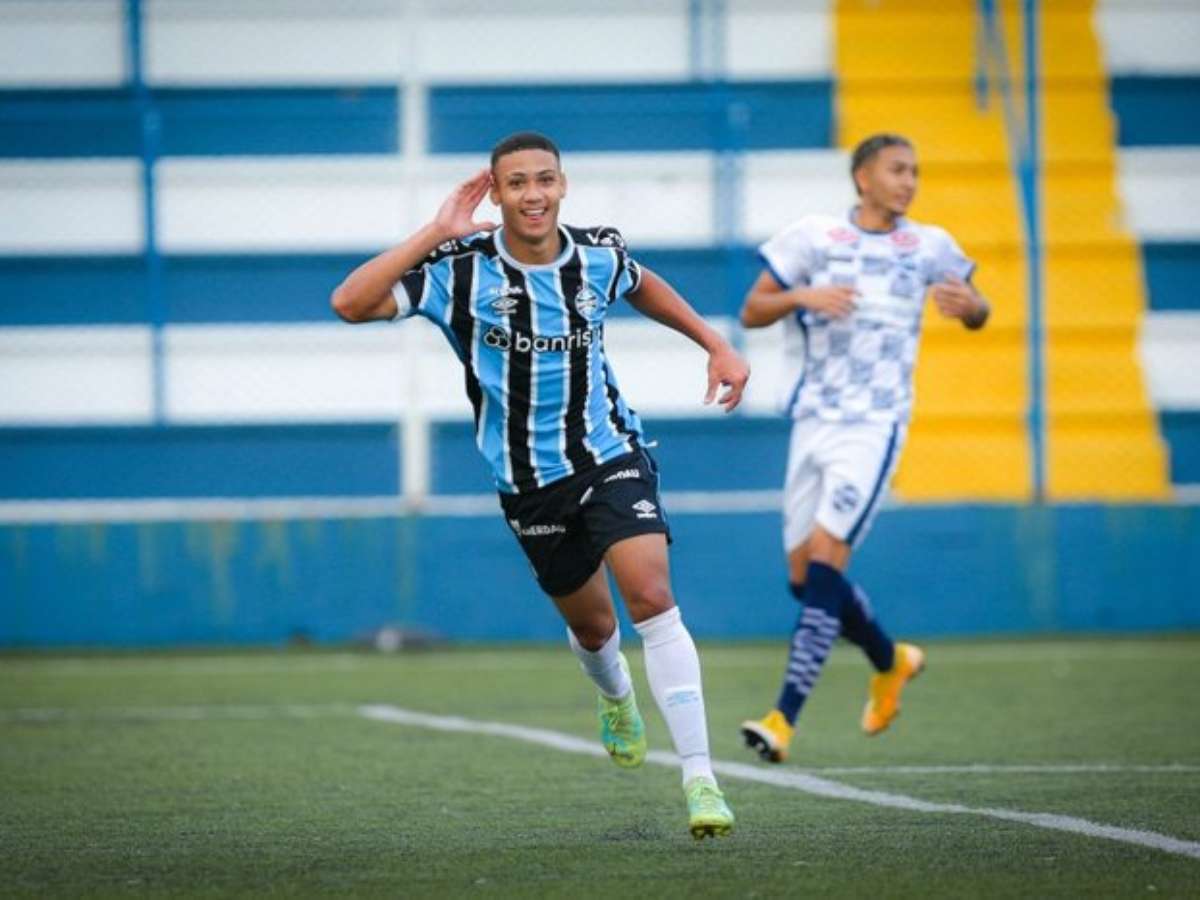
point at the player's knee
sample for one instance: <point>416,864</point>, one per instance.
<point>594,634</point>
<point>648,598</point>
<point>823,547</point>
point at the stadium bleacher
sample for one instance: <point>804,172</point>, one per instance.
<point>284,160</point>
<point>289,140</point>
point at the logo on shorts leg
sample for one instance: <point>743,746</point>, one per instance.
<point>845,498</point>
<point>645,509</point>
<point>542,530</point>
<point>624,473</point>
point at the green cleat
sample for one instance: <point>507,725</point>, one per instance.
<point>621,728</point>
<point>708,813</point>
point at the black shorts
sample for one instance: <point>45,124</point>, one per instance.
<point>566,527</point>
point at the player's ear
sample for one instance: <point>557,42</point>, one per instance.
<point>494,190</point>
<point>562,177</point>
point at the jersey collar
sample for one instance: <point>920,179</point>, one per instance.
<point>852,218</point>
<point>567,249</point>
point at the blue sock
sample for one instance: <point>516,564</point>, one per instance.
<point>813,637</point>
<point>860,627</point>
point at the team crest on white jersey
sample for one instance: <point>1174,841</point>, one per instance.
<point>586,302</point>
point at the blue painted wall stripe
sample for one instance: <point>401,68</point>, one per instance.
<point>726,454</point>
<point>1173,275</point>
<point>199,461</point>
<point>201,121</point>
<point>632,117</point>
<point>1157,110</point>
<point>274,287</point>
<point>1181,428</point>
<point>102,122</point>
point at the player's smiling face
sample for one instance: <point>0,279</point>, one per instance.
<point>528,186</point>
<point>889,181</point>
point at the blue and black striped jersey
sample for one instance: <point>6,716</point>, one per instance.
<point>531,341</point>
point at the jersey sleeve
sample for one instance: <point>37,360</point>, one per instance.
<point>950,260</point>
<point>788,255</point>
<point>426,288</point>
<point>628,274</point>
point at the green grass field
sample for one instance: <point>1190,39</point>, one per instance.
<point>256,774</point>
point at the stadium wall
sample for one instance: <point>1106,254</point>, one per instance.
<point>930,571</point>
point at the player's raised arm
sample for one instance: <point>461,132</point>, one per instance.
<point>658,300</point>
<point>366,293</point>
<point>958,299</point>
<point>768,301</point>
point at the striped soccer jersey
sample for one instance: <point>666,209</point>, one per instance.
<point>531,341</point>
<point>859,368</point>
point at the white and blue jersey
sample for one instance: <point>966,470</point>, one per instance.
<point>858,368</point>
<point>531,341</point>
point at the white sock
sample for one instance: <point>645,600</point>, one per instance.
<point>673,669</point>
<point>603,666</point>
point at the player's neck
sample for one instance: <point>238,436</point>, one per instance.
<point>874,218</point>
<point>533,253</point>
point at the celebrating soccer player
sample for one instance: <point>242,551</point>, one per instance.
<point>850,292</point>
<point>523,307</point>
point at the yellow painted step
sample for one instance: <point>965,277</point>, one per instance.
<point>986,459</point>
<point>1103,439</point>
<point>1108,458</point>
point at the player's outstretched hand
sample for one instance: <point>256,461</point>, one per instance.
<point>457,215</point>
<point>955,299</point>
<point>835,301</point>
<point>726,369</point>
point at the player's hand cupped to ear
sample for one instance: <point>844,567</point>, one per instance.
<point>457,213</point>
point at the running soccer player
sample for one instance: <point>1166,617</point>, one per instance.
<point>523,307</point>
<point>850,292</point>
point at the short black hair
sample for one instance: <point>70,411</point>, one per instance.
<point>869,148</point>
<point>524,140</point>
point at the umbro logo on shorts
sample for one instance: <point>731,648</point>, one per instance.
<point>624,473</point>
<point>646,510</point>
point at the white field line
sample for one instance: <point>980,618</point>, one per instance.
<point>809,784</point>
<point>24,715</point>
<point>466,660</point>
<point>1022,769</point>
<point>260,712</point>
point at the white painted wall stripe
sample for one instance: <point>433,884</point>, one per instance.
<point>809,784</point>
